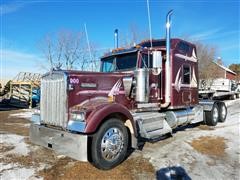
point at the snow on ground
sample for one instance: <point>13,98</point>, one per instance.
<point>232,102</point>
<point>20,147</point>
<point>12,171</point>
<point>27,114</point>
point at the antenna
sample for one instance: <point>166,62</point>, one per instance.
<point>89,49</point>
<point>149,23</point>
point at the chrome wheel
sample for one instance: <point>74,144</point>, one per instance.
<point>215,115</point>
<point>112,144</point>
<point>212,117</point>
<point>109,144</point>
<point>223,111</point>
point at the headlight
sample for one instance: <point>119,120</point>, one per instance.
<point>77,116</point>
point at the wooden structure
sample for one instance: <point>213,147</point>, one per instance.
<point>21,88</point>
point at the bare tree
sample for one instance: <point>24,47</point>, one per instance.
<point>89,60</point>
<point>68,50</point>
<point>206,55</point>
<point>133,36</point>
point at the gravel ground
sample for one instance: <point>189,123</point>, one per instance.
<point>193,152</point>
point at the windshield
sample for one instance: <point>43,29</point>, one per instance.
<point>119,63</point>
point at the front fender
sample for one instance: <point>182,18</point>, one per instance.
<point>98,115</point>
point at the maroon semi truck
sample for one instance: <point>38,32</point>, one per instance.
<point>140,94</point>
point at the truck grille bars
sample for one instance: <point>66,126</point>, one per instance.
<point>54,99</point>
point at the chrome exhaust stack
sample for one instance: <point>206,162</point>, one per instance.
<point>168,64</point>
<point>116,38</point>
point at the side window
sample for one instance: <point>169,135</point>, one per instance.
<point>186,74</point>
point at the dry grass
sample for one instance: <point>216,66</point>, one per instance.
<point>33,159</point>
<point>4,148</point>
<point>205,127</point>
<point>210,145</point>
<point>67,168</point>
<point>24,161</point>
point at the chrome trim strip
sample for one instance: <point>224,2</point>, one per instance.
<point>176,107</point>
<point>186,58</point>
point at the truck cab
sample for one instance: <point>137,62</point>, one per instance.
<point>144,57</point>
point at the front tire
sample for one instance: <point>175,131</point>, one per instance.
<point>212,117</point>
<point>109,145</point>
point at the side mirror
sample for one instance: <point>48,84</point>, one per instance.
<point>157,59</point>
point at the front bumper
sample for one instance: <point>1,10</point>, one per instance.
<point>65,143</point>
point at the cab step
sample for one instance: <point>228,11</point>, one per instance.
<point>151,125</point>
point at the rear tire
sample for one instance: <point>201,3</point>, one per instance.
<point>233,97</point>
<point>238,95</point>
<point>212,117</point>
<point>109,145</point>
<point>222,112</point>
<point>210,96</point>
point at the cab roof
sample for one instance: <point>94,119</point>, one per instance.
<point>141,45</point>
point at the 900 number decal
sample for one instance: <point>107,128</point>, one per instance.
<point>74,81</point>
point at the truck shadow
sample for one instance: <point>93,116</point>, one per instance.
<point>185,127</point>
<point>172,173</point>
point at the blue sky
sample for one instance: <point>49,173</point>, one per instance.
<point>25,23</point>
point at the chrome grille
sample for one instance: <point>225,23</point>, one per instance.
<point>54,100</point>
